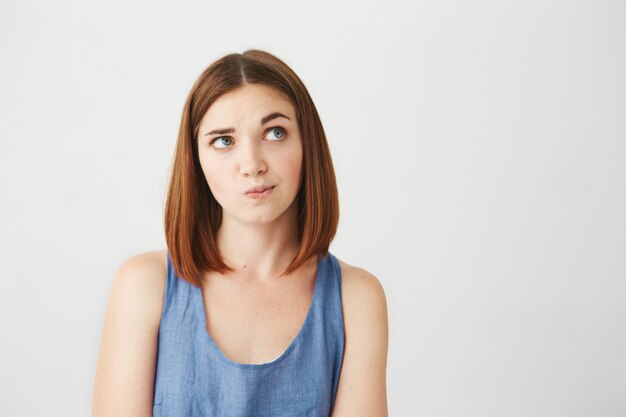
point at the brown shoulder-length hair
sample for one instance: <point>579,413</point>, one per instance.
<point>192,215</point>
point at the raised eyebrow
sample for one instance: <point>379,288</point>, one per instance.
<point>272,117</point>
<point>264,120</point>
<point>220,131</point>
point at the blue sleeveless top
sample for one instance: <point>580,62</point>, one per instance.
<point>194,378</point>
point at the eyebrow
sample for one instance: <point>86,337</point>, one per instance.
<point>264,120</point>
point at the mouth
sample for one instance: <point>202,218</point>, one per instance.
<point>260,191</point>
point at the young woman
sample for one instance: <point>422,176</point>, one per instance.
<point>246,312</point>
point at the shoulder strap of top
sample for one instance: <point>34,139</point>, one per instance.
<point>330,277</point>
<point>177,290</point>
<point>331,311</point>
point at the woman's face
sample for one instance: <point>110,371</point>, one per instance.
<point>249,138</point>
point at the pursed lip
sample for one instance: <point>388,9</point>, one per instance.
<point>259,189</point>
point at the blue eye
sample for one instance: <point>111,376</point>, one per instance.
<point>224,140</point>
<point>279,133</point>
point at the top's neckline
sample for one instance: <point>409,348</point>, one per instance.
<point>202,321</point>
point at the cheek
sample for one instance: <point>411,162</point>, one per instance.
<point>292,173</point>
<point>296,166</point>
<point>293,163</point>
<point>212,177</point>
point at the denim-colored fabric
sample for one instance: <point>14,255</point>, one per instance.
<point>194,378</point>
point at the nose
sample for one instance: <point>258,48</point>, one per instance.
<point>252,161</point>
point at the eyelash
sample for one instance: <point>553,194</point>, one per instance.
<point>267,131</point>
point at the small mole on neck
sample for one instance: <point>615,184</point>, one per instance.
<point>245,266</point>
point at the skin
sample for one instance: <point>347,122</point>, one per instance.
<point>257,239</point>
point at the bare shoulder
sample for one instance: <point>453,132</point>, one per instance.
<point>143,266</point>
<point>364,306</point>
<point>362,382</point>
<point>128,346</point>
<point>140,281</point>
<point>361,288</point>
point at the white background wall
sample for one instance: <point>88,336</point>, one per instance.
<point>480,149</point>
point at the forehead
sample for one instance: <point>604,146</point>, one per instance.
<point>250,102</point>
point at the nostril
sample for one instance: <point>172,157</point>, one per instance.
<point>253,168</point>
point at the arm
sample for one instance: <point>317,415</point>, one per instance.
<point>362,387</point>
<point>124,384</point>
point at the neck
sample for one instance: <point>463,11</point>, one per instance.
<point>259,251</point>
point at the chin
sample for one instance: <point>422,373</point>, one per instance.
<point>262,215</point>
<point>262,218</point>
<point>252,219</point>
